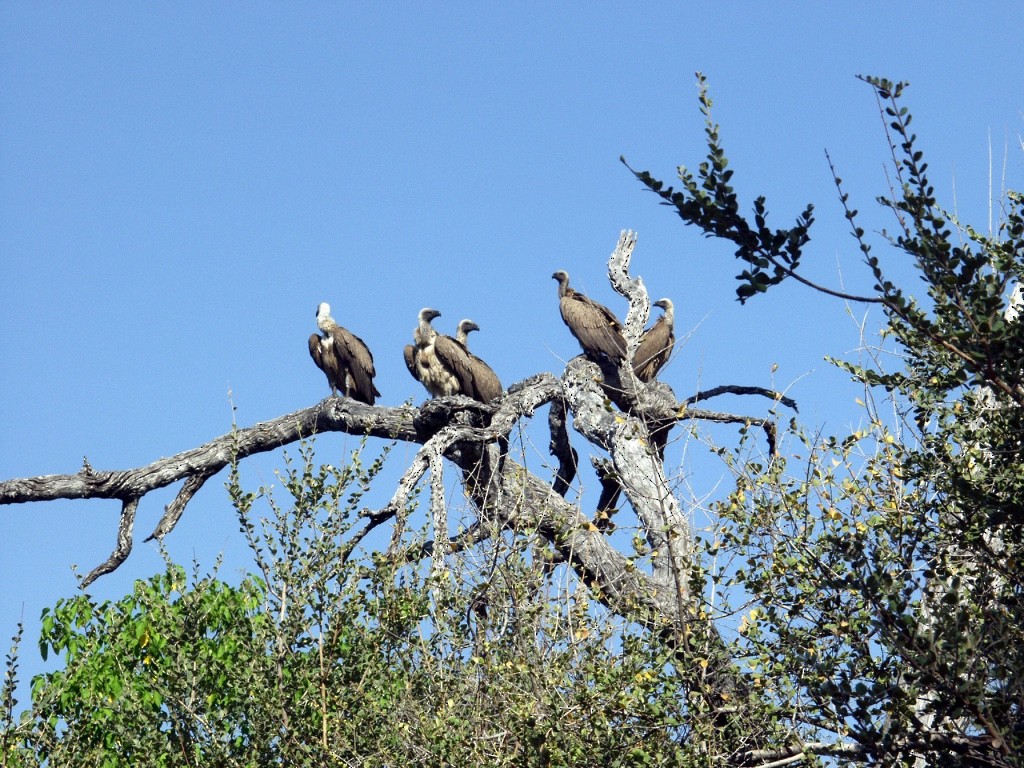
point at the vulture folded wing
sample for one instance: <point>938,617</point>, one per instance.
<point>325,355</point>
<point>654,350</point>
<point>593,325</point>
<point>410,360</point>
<point>314,350</point>
<point>356,357</point>
<point>454,357</point>
<point>486,384</point>
<point>656,344</point>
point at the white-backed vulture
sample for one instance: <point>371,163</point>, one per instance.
<point>595,327</point>
<point>476,378</point>
<point>343,357</point>
<point>656,344</point>
<point>422,361</point>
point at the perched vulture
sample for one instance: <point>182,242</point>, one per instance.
<point>595,327</point>
<point>476,378</point>
<point>422,361</point>
<point>343,357</point>
<point>656,344</point>
<point>445,366</point>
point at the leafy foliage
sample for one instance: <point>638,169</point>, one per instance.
<point>887,601</point>
<point>8,728</point>
<point>327,658</point>
<point>709,202</point>
<point>154,674</point>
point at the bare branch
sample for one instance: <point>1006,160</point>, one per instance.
<point>632,288</point>
<point>637,467</point>
<point>174,510</point>
<point>561,448</point>
<point>438,506</point>
<point>733,389</point>
<point>398,507</point>
<point>611,490</point>
<point>331,415</point>
<point>124,544</point>
<point>825,290</point>
<point>770,430</point>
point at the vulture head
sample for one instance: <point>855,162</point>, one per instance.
<point>424,333</point>
<point>427,314</point>
<point>323,316</point>
<point>464,329</point>
<point>563,281</point>
<point>665,304</point>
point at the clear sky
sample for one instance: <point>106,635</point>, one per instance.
<point>182,183</point>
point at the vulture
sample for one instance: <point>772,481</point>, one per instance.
<point>656,344</point>
<point>476,378</point>
<point>597,330</point>
<point>445,366</point>
<point>343,357</point>
<point>422,360</point>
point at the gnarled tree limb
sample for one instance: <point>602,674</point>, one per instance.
<point>331,415</point>
<point>732,389</point>
<point>174,510</point>
<point>123,547</point>
<point>561,448</point>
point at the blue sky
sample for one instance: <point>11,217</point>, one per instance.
<point>181,184</point>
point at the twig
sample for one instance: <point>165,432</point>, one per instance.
<point>734,389</point>
<point>174,510</point>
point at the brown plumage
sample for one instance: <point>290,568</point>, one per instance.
<point>476,378</point>
<point>656,344</point>
<point>422,360</point>
<point>597,330</point>
<point>343,357</point>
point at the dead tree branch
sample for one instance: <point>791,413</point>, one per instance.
<point>561,448</point>
<point>331,415</point>
<point>732,389</point>
<point>123,547</point>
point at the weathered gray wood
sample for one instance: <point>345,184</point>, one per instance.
<point>123,547</point>
<point>331,415</point>
<point>560,447</point>
<point>631,288</point>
